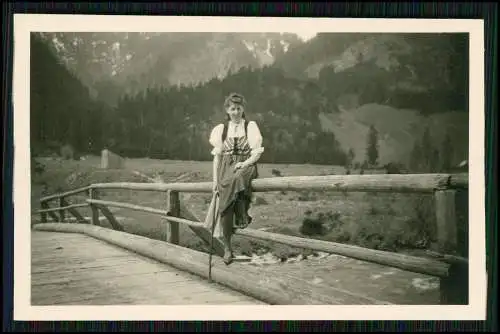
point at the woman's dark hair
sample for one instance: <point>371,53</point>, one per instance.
<point>234,98</point>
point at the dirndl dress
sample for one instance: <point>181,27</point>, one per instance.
<point>235,185</point>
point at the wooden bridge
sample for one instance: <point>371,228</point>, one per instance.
<point>90,263</point>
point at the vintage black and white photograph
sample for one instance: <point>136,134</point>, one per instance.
<point>260,167</point>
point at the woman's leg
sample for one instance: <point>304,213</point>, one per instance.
<point>241,207</point>
<point>227,232</point>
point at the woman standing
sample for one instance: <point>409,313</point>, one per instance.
<point>237,146</point>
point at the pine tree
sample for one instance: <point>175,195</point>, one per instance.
<point>434,162</point>
<point>372,149</point>
<point>446,153</point>
<point>416,157</point>
<point>350,158</point>
<point>427,150</point>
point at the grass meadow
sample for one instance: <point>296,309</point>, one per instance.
<point>385,221</point>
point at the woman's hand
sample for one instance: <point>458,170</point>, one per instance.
<point>239,165</point>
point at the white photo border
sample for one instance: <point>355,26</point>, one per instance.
<point>24,24</point>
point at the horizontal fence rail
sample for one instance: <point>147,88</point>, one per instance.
<point>401,261</point>
<point>404,183</point>
<point>449,267</point>
<point>64,208</point>
<point>162,213</point>
<point>66,194</point>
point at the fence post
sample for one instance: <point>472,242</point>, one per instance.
<point>62,203</point>
<point>446,221</point>
<point>43,215</point>
<point>462,216</point>
<point>454,289</point>
<point>173,209</point>
<point>93,194</point>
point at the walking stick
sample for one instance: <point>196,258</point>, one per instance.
<point>212,240</point>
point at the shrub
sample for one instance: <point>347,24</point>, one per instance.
<point>276,172</point>
<point>260,201</point>
<point>311,227</point>
<point>37,167</point>
<point>320,224</point>
<point>305,196</point>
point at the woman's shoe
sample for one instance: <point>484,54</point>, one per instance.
<point>228,257</point>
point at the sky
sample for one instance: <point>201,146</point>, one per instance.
<point>306,35</point>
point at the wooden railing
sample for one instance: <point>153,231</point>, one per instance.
<point>445,263</point>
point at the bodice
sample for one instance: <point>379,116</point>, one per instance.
<point>236,146</point>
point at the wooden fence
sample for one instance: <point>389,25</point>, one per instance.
<point>445,263</point>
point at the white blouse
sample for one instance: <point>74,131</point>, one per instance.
<point>254,136</point>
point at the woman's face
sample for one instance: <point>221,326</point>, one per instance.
<point>235,111</point>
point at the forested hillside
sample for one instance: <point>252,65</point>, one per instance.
<point>62,110</point>
<point>316,102</point>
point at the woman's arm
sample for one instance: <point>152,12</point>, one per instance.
<point>255,142</point>
<point>215,170</point>
<point>216,141</point>
<point>252,159</point>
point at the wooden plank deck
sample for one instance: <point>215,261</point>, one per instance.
<point>74,269</point>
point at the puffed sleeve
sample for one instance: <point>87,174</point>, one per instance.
<point>254,138</point>
<point>216,139</point>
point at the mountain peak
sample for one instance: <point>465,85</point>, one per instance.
<point>164,59</point>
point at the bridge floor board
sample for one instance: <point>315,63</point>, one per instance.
<point>74,269</point>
